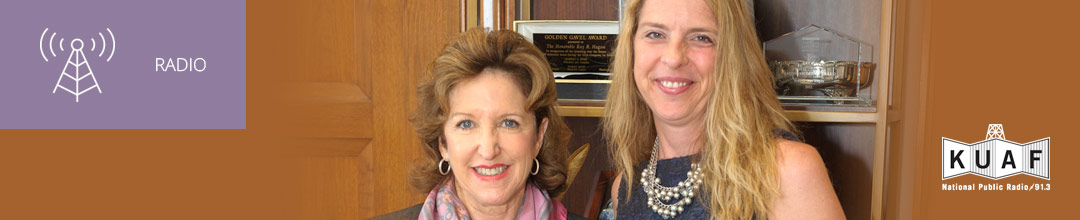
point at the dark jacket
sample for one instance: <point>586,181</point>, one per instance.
<point>413,212</point>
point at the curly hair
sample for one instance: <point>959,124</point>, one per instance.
<point>465,57</point>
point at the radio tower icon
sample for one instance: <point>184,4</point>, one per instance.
<point>76,70</point>
<point>77,77</point>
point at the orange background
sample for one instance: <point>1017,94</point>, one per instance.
<point>1011,63</point>
<point>1000,62</point>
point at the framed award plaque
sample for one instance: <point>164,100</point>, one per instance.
<point>580,54</point>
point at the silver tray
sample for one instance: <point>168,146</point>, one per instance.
<point>834,79</point>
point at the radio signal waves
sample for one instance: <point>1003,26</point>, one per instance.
<point>108,44</point>
<point>41,44</point>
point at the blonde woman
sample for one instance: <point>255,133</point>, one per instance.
<point>694,125</point>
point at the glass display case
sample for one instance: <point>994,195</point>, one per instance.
<point>817,66</point>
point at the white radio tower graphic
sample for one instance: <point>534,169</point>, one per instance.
<point>76,61</point>
<point>77,77</point>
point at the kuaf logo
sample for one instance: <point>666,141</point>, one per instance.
<point>995,157</point>
<point>77,77</point>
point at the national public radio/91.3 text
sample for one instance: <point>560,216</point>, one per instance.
<point>996,187</point>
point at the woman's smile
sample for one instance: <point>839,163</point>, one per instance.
<point>673,85</point>
<point>490,172</point>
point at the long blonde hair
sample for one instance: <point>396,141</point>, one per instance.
<point>742,118</point>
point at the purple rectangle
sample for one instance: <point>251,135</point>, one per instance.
<point>123,48</point>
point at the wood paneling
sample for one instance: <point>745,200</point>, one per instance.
<point>382,55</point>
<point>324,193</point>
<point>607,10</point>
<point>334,108</point>
<point>326,41</point>
<point>907,112</point>
<point>848,152</point>
<point>580,194</point>
<point>359,62</point>
<point>400,39</point>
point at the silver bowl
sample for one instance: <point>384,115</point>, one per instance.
<point>835,79</point>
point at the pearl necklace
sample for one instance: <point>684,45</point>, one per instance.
<point>659,195</point>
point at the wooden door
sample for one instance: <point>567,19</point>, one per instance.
<point>353,89</point>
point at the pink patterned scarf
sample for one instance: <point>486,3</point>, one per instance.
<point>442,204</point>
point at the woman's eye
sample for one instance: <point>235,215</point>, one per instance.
<point>653,35</point>
<point>509,123</point>
<point>703,38</point>
<point>465,125</point>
